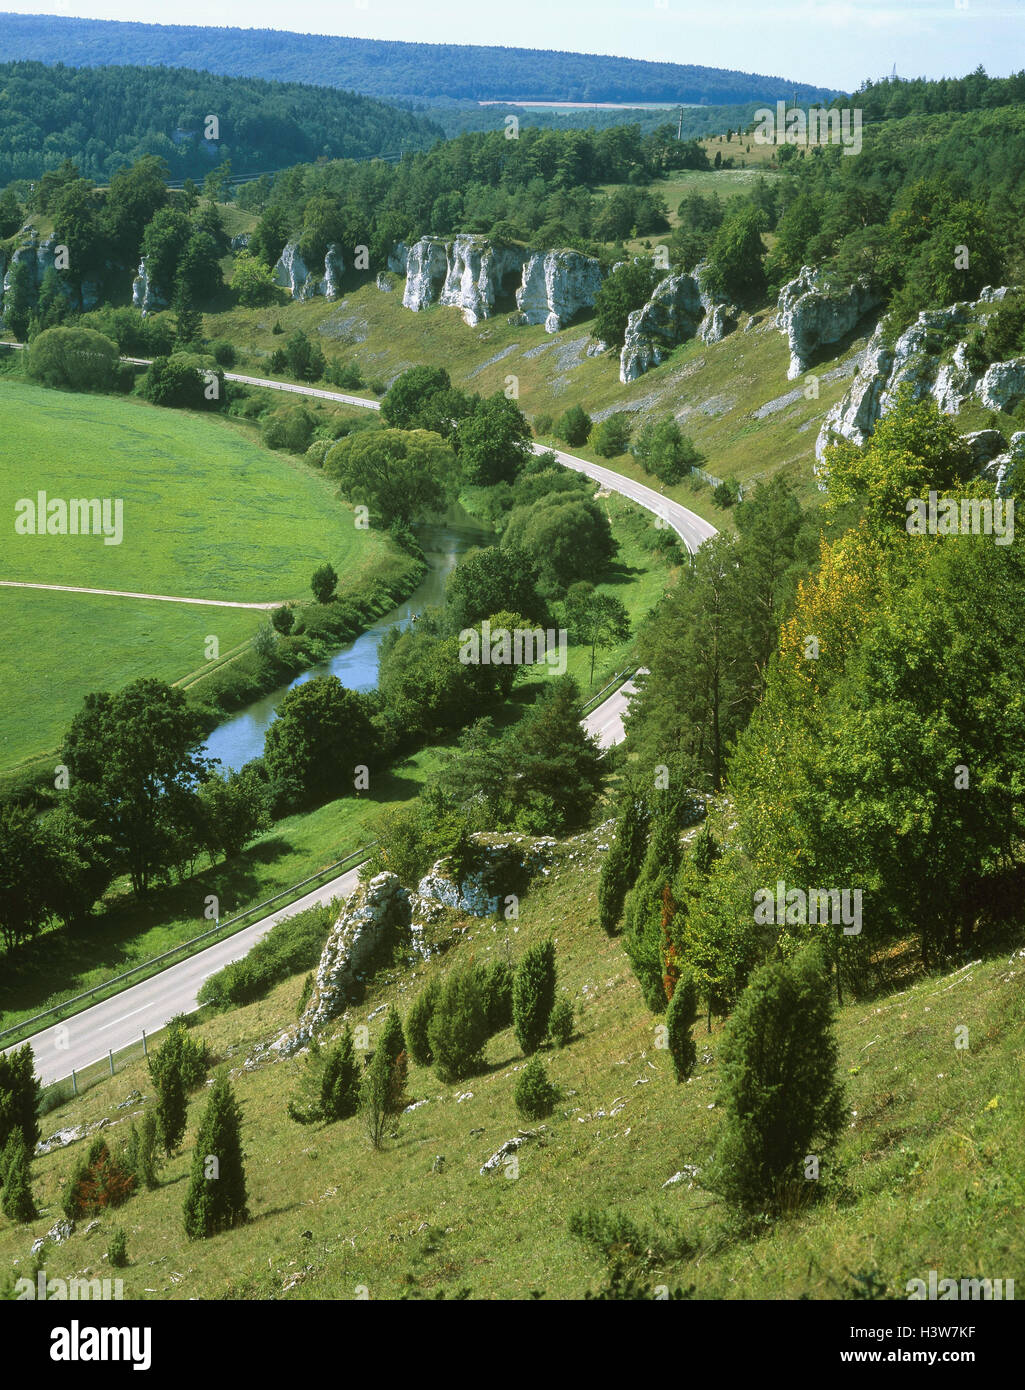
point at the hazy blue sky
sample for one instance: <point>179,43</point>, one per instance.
<point>832,42</point>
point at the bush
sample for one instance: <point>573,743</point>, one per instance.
<point>141,1150</point>
<point>535,1096</point>
<point>324,582</point>
<point>375,1095</point>
<point>290,428</point>
<point>573,426</point>
<point>611,436</point>
<point>542,425</point>
<point>680,1018</point>
<point>496,989</point>
<point>534,995</point>
<point>78,359</point>
<point>723,495</point>
<point>16,1201</point>
<point>283,619</point>
<point>100,1181</point>
<point>783,1098</point>
<point>117,1248</point>
<point>458,1028</point>
<point>184,380</point>
<point>328,1085</point>
<point>560,1022</point>
<point>317,451</point>
<point>216,1200</point>
<point>418,1022</point>
<point>223,352</point>
<point>180,1051</point>
<point>622,862</point>
<point>290,946</point>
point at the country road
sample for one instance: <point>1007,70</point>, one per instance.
<point>116,1022</point>
<point>126,593</point>
<point>119,1021</point>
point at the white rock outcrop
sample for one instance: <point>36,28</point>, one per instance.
<point>813,316</point>
<point>555,286</point>
<point>426,273</point>
<point>334,269</point>
<point>292,274</point>
<point>1003,385</point>
<point>469,273</point>
<point>146,296</point>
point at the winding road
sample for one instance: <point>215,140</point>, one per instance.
<point>119,1021</point>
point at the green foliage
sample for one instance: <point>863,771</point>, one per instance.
<point>181,1053</point>
<point>16,1200</point>
<point>596,619</point>
<point>663,449</point>
<point>19,1097</point>
<point>99,1181</point>
<point>626,289</point>
<point>418,1022</point>
<point>734,267</point>
<point>311,750</point>
<point>375,1096</point>
<point>783,1099</point>
<point>252,283</point>
<point>723,495</point>
<point>291,945</point>
<point>400,475</point>
<point>216,1200</point>
<point>324,582</point>
<point>141,1154</point>
<point>492,580</point>
<point>565,537</point>
<point>611,436</point>
<point>534,995</point>
<point>423,398</point>
<point>493,441</point>
<point>77,359</point>
<point>327,1088</point>
<point>573,426</point>
<point>535,1096</point>
<point>290,428</point>
<point>496,988</point>
<point>458,1028</point>
<point>117,1248</point>
<point>561,1022</point>
<point>234,811</point>
<point>172,1109</point>
<point>622,862</point>
<point>184,380</point>
<point>681,1016</point>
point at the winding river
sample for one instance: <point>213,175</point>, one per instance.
<point>240,738</point>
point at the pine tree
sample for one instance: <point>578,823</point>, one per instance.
<point>418,1022</point>
<point>680,1018</point>
<point>141,1150</point>
<point>19,1097</point>
<point>339,1092</point>
<point>216,1199</point>
<point>535,1096</point>
<point>783,1097</point>
<point>458,1028</point>
<point>16,1201</point>
<point>622,862</point>
<point>172,1109</point>
<point>375,1094</point>
<point>392,1038</point>
<point>534,995</point>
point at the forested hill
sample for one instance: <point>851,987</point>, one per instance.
<point>383,68</point>
<point>103,118</point>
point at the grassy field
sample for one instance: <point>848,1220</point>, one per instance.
<point>930,1177</point>
<point>208,513</point>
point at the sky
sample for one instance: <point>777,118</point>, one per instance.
<point>833,43</point>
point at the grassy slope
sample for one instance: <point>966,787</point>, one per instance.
<point>930,1154</point>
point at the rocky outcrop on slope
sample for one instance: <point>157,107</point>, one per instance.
<point>468,273</point>
<point>146,296</point>
<point>556,285</point>
<point>813,316</point>
<point>291,273</point>
<point>680,308</point>
<point>38,256</point>
<point>426,272</point>
<point>919,361</point>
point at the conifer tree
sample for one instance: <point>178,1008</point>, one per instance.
<point>622,862</point>
<point>680,1018</point>
<point>418,1022</point>
<point>339,1092</point>
<point>374,1095</point>
<point>783,1097</point>
<point>16,1199</point>
<point>534,995</point>
<point>172,1109</point>
<point>216,1199</point>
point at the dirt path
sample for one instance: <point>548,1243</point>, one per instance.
<point>124,593</point>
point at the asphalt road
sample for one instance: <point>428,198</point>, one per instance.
<point>119,1021</point>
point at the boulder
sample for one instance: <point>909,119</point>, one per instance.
<point>813,316</point>
<point>240,242</point>
<point>556,285</point>
<point>1003,385</point>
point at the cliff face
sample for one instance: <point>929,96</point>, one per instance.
<point>292,274</point>
<point>556,285</point>
<point>146,296</point>
<point>919,362</point>
<point>426,273</point>
<point>38,257</point>
<point>812,316</point>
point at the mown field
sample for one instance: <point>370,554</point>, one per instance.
<point>928,1174</point>
<point>207,513</point>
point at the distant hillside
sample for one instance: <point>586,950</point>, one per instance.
<point>105,117</point>
<point>382,68</point>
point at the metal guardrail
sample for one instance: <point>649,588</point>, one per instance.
<point>353,860</point>
<point>596,698</point>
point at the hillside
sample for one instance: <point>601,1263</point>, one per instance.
<point>384,68</point>
<point>106,117</point>
<point>926,1174</point>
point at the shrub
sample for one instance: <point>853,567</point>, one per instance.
<point>573,426</point>
<point>100,1181</point>
<point>172,1109</point>
<point>723,495</point>
<point>290,946</point>
<point>622,862</point>
<point>496,988</point>
<point>328,1086</point>
<point>184,380</point>
<point>16,1201</point>
<point>534,995</point>
<point>542,425</point>
<point>223,352</point>
<point>117,1248</point>
<point>324,582</point>
<point>375,1095</point>
<point>535,1096</point>
<point>611,436</point>
<point>141,1150</point>
<point>458,1028</point>
<point>78,359</point>
<point>315,454</point>
<point>680,1018</point>
<point>216,1199</point>
<point>418,1022</point>
<point>283,619</point>
<point>560,1022</point>
<point>187,1055</point>
<point>783,1099</point>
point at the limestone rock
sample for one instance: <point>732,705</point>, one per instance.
<point>397,258</point>
<point>985,445</point>
<point>1003,385</point>
<point>426,272</point>
<point>146,296</point>
<point>556,285</point>
<point>813,316</point>
<point>240,242</point>
<point>476,275</point>
<point>291,273</point>
<point>672,314</point>
<point>334,269</point>
<point>58,1233</point>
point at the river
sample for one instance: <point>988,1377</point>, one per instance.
<point>240,738</point>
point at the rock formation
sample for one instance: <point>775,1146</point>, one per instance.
<point>556,285</point>
<point>813,316</point>
<point>680,308</point>
<point>146,296</point>
<point>292,274</point>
